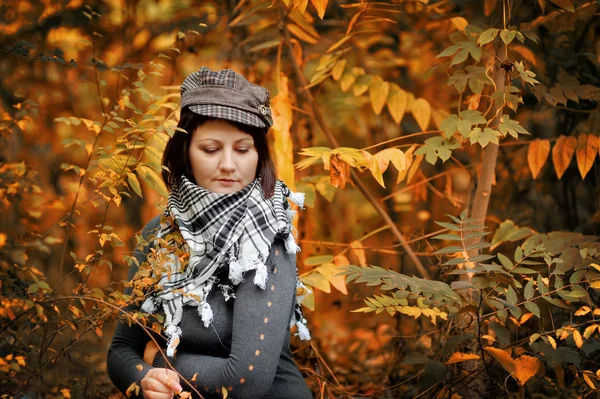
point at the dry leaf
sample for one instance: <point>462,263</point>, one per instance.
<point>338,172</point>
<point>562,153</point>
<point>458,357</point>
<point>587,149</point>
<point>503,358</point>
<point>589,381</point>
<point>525,368</point>
<point>357,249</point>
<point>537,155</point>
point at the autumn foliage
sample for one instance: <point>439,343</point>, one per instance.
<point>448,151</point>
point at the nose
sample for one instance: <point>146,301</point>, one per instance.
<point>227,163</point>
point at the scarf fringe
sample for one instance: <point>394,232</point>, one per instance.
<point>290,244</point>
<point>260,278</point>
<point>297,198</point>
<point>174,334</point>
<point>206,313</point>
<point>303,332</point>
<point>236,273</point>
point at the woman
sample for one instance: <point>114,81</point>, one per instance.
<point>223,254</point>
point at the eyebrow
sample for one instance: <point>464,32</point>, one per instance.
<point>219,141</point>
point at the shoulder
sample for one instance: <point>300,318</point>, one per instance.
<point>151,227</point>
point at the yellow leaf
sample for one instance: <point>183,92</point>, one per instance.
<point>358,250</point>
<point>134,183</point>
<point>66,393</point>
<point>224,392</point>
<point>317,280</point>
<point>562,153</point>
<point>582,311</point>
<point>537,155</point>
<point>338,69</point>
<point>421,110</point>
<point>397,102</point>
<point>414,167</point>
<point>139,367</point>
<point>153,178</point>
<point>301,34</point>
<point>282,124</point>
<point>320,5</point>
<point>595,266</point>
<point>337,44</point>
<point>589,381</point>
<point>458,357</point>
<point>587,149</point>
<point>378,93</point>
<point>552,341</point>
<point>503,357</point>
<point>587,333</point>
<point>394,155</point>
<point>331,271</point>
<point>577,338</point>
<point>133,388</point>
<point>459,22</point>
<point>525,368</point>
<point>525,317</point>
<point>408,155</point>
<point>596,285</point>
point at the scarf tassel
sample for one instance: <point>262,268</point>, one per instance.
<point>174,334</point>
<point>236,274</point>
<point>290,244</point>
<point>303,332</point>
<point>260,278</point>
<point>206,313</point>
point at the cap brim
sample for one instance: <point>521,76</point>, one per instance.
<point>229,114</point>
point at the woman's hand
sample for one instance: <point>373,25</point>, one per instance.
<point>160,384</point>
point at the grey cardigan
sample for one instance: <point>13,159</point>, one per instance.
<point>246,349</point>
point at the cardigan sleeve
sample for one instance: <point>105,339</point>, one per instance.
<point>260,324</point>
<point>125,354</point>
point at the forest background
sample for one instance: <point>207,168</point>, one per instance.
<point>448,152</point>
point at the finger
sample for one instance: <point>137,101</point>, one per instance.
<point>172,381</point>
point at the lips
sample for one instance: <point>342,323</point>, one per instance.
<point>227,180</point>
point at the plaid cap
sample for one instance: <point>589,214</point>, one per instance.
<point>227,95</point>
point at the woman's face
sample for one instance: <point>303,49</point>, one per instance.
<point>223,158</point>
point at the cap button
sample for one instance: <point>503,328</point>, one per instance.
<point>262,109</point>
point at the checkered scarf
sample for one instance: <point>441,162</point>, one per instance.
<point>202,232</point>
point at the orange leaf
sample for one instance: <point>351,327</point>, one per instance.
<point>301,34</point>
<point>458,357</point>
<point>562,153</point>
<point>525,368</point>
<point>320,5</point>
<point>338,171</point>
<point>589,381</point>
<point>589,331</point>
<point>358,250</point>
<point>552,342</point>
<point>577,338</point>
<point>587,149</point>
<point>537,156</point>
<point>503,357</point>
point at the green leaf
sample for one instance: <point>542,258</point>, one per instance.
<point>435,147</point>
<point>507,36</point>
<point>448,51</point>
<point>508,231</point>
<point>317,280</point>
<point>526,76</point>
<point>508,265</point>
<point>501,333</point>
<point>566,4</point>
<point>152,178</point>
<point>487,36</point>
<point>488,135</point>
<point>529,290</point>
<point>448,125</point>
<point>533,308</point>
<point>318,260</point>
<point>511,296</point>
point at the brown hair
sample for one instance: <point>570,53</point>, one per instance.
<point>176,155</point>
